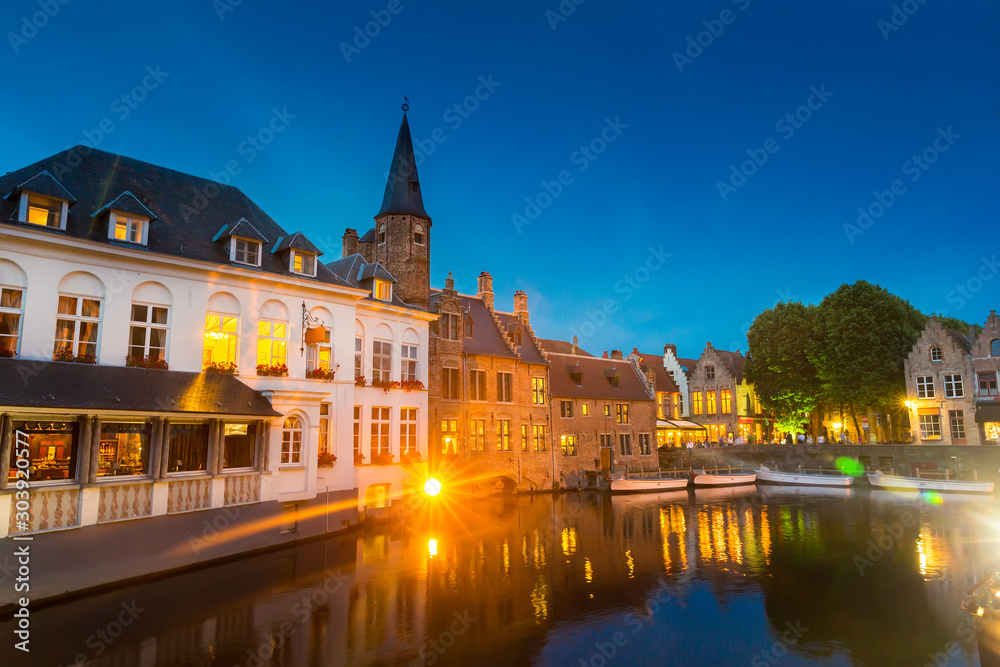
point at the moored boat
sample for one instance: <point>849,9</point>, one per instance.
<point>880,480</point>
<point>646,485</point>
<point>724,479</point>
<point>767,476</point>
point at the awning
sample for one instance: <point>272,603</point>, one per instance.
<point>70,386</point>
<point>679,424</point>
<point>987,413</point>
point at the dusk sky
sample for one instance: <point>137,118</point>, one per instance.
<point>881,94</point>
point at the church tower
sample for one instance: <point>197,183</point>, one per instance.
<point>402,240</point>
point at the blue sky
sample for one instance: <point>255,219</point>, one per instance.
<point>682,124</point>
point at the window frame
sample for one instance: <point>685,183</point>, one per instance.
<point>275,341</point>
<point>313,353</point>
<point>418,235</point>
<point>567,444</point>
<point>538,396</point>
<point>504,435</point>
<point>477,385</point>
<point>449,326</point>
<point>228,335</point>
<point>925,386</point>
<point>382,290</point>
<point>295,447</point>
<point>566,409</point>
<point>409,442</point>
<point>25,206</point>
<point>380,441</point>
<point>505,387</point>
<point>304,256</point>
<point>625,444</point>
<point>451,384</point>
<point>538,436</point>
<point>956,423</point>
<point>131,223</point>
<point>726,401</point>
<point>645,447</point>
<point>149,326</point>
<point>359,357</point>
<point>928,424</point>
<point>621,413</point>
<point>989,379</point>
<point>477,435</point>
<point>935,353</point>
<point>77,319</point>
<point>409,354</point>
<point>234,251</point>
<point>710,371</point>
<point>17,314</point>
<point>953,386</point>
<point>381,352</point>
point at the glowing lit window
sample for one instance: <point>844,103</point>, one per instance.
<point>383,290</point>
<point>320,355</point>
<point>272,343</point>
<point>696,401</point>
<point>303,263</point>
<point>567,445</point>
<point>408,430</point>
<point>503,435</point>
<point>524,438</point>
<point>44,211</point>
<point>585,409</point>
<point>129,229</point>
<point>622,413</point>
<point>477,435</point>
<point>709,402</point>
<point>541,444</point>
<point>644,446</point>
<point>11,309</point>
<point>449,436</point>
<point>538,396</point>
<point>221,334</point>
<point>727,401</point>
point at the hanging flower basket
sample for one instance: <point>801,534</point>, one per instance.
<point>326,460</point>
<point>220,367</point>
<point>321,374</point>
<point>147,362</point>
<point>410,385</point>
<point>385,385</point>
<point>277,370</point>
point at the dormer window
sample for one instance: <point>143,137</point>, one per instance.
<point>381,235</point>
<point>383,290</point>
<point>246,251</point>
<point>303,263</point>
<point>517,338</point>
<point>128,228</point>
<point>43,211</point>
<point>468,327</point>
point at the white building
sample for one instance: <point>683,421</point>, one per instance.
<point>250,348</point>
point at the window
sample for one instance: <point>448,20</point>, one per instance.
<point>538,431</point>
<point>246,252</point>
<point>408,430</point>
<point>565,408</point>
<point>517,338</point>
<point>477,385</point>
<point>625,444</point>
<point>953,386</point>
<point>644,446</point>
<point>128,228</point>
<point>291,441</point>
<point>935,353</point>
<point>727,400</point>
<point>449,436</point>
<point>987,385</point>
<point>383,290</point>
<point>359,344</point>
<point>663,409</point>
<point>585,409</point>
<point>538,391</point>
<point>503,435</point>
<point>709,402</point>
<point>11,308</point>
<point>696,403</point>
<point>614,380</point>
<point>418,235</point>
<point>303,263</point>
<point>381,360</point>
<point>607,409</point>
<point>477,435</point>
<point>240,444</point>
<point>43,211</point>
<point>505,392</point>
<point>449,326</point>
<point>450,384</point>
<point>468,327</point>
<point>381,234</point>
<point>710,372</point>
<point>52,449</point>
<point>567,445</point>
<point>621,415</point>
<point>319,356</point>
<point>409,356</point>
<point>148,332</point>
<point>606,441</point>
<point>272,346</point>
<point>221,334</point>
<point>188,449</point>
<point>357,431</point>
<point>957,419</point>
<point>524,438</point>
<point>77,327</point>
<point>678,405</point>
<point>380,432</point>
<point>325,427</point>
<point>925,386</point>
<point>995,348</point>
<point>930,427</point>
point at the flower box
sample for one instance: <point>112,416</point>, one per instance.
<point>410,385</point>
<point>359,459</point>
<point>7,354</point>
<point>326,460</point>
<point>220,367</point>
<point>385,385</point>
<point>276,370</point>
<point>71,358</point>
<point>321,374</point>
<point>409,458</point>
<point>147,362</point>
<point>360,381</point>
<point>383,459</point>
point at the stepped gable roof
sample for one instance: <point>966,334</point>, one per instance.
<point>594,373</point>
<point>735,362</point>
<point>530,347</point>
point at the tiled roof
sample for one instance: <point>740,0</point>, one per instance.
<point>402,190</point>
<point>369,236</point>
<point>296,241</point>
<point>354,271</point>
<point>42,183</point>
<point>126,202</point>
<point>594,373</point>
<point>243,229</point>
<point>561,347</point>
<point>528,349</point>
<point>190,210</point>
<point>960,339</point>
<point>87,387</point>
<point>735,361</point>
<point>661,378</point>
<point>376,270</point>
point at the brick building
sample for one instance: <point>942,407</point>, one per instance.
<point>722,400</point>
<point>939,387</point>
<point>603,415</point>
<point>672,429</point>
<point>986,366</point>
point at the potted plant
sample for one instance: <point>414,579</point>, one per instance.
<point>272,370</point>
<point>326,460</point>
<point>360,381</point>
<point>325,374</point>
<point>220,367</point>
<point>410,385</point>
<point>385,385</point>
<point>382,459</point>
<point>7,354</point>
<point>359,459</point>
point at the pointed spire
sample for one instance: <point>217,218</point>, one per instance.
<point>402,191</point>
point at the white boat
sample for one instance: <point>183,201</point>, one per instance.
<point>768,476</point>
<point>879,480</point>
<point>647,485</point>
<point>715,479</point>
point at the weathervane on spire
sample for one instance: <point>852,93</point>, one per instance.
<point>406,103</point>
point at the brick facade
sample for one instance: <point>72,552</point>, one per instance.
<point>719,396</point>
<point>986,370</point>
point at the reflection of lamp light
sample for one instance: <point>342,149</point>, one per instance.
<point>432,548</point>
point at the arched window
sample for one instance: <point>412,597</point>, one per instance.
<point>381,234</point>
<point>995,348</point>
<point>291,441</point>
<point>418,235</point>
<point>936,353</point>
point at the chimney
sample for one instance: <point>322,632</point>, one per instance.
<point>616,354</point>
<point>635,350</point>
<point>576,342</point>
<point>350,241</point>
<point>486,289</point>
<point>670,348</point>
<point>604,355</point>
<point>521,306</point>
<point>449,283</point>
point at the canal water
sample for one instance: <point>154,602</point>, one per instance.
<point>716,577</point>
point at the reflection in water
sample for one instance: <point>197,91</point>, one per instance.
<point>876,582</point>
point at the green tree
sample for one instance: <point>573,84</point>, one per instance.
<point>782,341</point>
<point>864,333</point>
<point>958,325</point>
